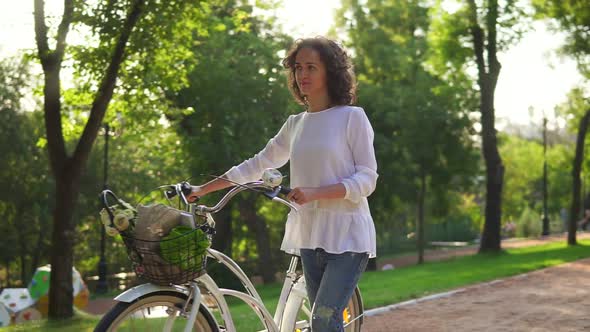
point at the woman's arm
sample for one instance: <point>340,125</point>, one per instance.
<point>304,195</point>
<point>274,155</point>
<point>209,187</point>
<point>360,139</point>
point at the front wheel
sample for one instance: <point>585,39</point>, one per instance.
<point>159,311</point>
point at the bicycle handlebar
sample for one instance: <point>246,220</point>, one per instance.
<point>271,193</point>
<point>285,190</point>
<point>184,189</point>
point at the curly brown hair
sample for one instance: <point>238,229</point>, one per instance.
<point>339,70</point>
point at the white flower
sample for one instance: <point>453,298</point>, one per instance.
<point>129,213</point>
<point>111,231</point>
<point>121,221</point>
<point>104,217</point>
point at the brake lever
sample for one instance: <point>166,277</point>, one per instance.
<point>274,195</point>
<point>287,203</point>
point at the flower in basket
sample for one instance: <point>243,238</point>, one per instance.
<point>121,221</point>
<point>111,231</point>
<point>104,217</point>
<point>185,247</point>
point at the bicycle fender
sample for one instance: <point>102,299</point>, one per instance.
<point>136,292</point>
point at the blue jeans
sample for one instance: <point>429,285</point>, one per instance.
<point>330,280</point>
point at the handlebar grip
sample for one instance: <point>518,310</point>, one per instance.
<point>186,188</point>
<point>285,190</point>
<point>170,193</point>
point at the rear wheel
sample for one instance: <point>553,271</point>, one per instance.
<point>351,316</point>
<point>158,311</point>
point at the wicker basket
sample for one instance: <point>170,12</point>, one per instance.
<point>160,252</point>
<point>185,259</point>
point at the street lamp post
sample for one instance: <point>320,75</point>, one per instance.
<point>545,216</point>
<point>102,285</point>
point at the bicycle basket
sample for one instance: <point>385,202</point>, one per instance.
<point>177,258</point>
<point>165,245</point>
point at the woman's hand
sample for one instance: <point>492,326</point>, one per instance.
<point>302,195</point>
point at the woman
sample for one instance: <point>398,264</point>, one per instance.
<point>333,171</point>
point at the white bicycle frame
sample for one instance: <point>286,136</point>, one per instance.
<point>291,298</point>
<point>292,295</point>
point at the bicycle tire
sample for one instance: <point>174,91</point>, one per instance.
<point>115,318</point>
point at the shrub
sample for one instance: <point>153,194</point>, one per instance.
<point>529,224</point>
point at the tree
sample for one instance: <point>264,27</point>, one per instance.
<point>420,121</point>
<point>489,27</point>
<point>125,37</point>
<point>573,17</point>
<point>24,179</point>
<point>238,81</point>
<point>579,157</point>
<point>520,183</point>
<point>488,73</point>
<point>576,109</point>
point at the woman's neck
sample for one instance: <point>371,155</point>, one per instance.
<point>318,103</point>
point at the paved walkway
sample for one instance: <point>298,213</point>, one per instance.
<point>547,300</point>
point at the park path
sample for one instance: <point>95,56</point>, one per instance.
<point>551,299</point>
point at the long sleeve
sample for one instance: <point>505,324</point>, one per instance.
<point>274,155</point>
<point>360,140</point>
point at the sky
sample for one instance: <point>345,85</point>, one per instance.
<point>532,75</point>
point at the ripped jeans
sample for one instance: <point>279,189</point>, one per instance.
<point>330,280</point>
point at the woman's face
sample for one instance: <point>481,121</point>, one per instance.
<point>310,73</point>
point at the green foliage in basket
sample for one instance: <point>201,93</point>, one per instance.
<point>185,247</point>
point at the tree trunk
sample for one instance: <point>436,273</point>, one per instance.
<point>67,169</point>
<point>38,250</point>
<point>8,274</point>
<point>23,270</point>
<point>22,244</point>
<point>488,74</point>
<point>577,169</point>
<point>60,289</point>
<point>420,221</point>
<point>258,226</point>
<point>491,240</point>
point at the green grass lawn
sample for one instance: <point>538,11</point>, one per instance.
<point>381,288</point>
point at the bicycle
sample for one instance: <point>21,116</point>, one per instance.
<point>191,302</point>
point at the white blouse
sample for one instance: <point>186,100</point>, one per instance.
<point>325,148</point>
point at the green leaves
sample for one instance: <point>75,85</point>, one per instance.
<point>185,247</point>
<point>573,18</point>
<point>237,88</point>
<point>420,118</point>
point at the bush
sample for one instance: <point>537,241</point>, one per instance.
<point>454,228</point>
<point>529,224</point>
